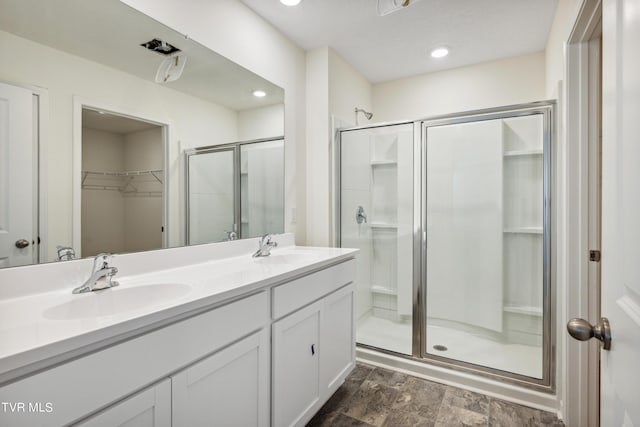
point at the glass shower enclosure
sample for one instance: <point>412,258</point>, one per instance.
<point>235,190</point>
<point>452,217</point>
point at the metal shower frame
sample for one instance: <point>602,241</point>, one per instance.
<point>547,109</point>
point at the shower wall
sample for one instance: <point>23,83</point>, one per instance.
<point>464,224</point>
<point>484,233</point>
<point>377,180</point>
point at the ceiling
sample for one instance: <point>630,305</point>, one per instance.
<point>104,121</point>
<point>397,45</point>
<point>110,33</point>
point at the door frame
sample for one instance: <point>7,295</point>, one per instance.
<point>80,103</point>
<point>580,364</point>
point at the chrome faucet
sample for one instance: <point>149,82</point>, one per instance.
<point>265,246</point>
<point>101,275</point>
<point>65,253</point>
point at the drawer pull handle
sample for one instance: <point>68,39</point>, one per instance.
<point>313,349</point>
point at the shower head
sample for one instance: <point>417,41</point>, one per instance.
<point>367,114</point>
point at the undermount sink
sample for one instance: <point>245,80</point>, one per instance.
<point>116,300</point>
<point>293,258</point>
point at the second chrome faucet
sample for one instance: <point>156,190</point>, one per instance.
<point>264,246</point>
<point>101,275</point>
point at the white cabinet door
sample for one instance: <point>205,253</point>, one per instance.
<point>148,408</point>
<point>337,335</point>
<point>229,388</point>
<point>296,373</point>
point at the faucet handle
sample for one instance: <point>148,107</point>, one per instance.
<point>102,260</point>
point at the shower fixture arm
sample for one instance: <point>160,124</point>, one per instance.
<point>367,114</point>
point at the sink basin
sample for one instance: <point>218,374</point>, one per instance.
<point>116,300</point>
<point>285,258</point>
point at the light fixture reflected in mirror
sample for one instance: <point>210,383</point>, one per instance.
<point>385,7</point>
<point>171,68</point>
<point>290,2</point>
<point>439,52</point>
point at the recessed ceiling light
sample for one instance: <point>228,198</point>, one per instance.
<point>259,93</point>
<point>290,2</point>
<point>439,52</point>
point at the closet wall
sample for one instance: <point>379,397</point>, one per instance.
<point>122,201</point>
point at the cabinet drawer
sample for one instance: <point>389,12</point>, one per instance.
<point>298,293</point>
<point>82,386</point>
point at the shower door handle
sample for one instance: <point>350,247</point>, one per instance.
<point>582,330</point>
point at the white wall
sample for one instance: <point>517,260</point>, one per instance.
<point>144,214</point>
<point>563,22</point>
<point>317,166</point>
<point>63,76</point>
<point>263,122</point>
<point>233,30</point>
<point>348,89</point>
<point>102,210</point>
<point>490,84</point>
<point>334,88</point>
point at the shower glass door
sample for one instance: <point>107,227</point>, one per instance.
<point>376,216</point>
<point>211,207</point>
<point>485,225</point>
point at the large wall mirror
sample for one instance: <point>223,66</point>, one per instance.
<point>98,111</point>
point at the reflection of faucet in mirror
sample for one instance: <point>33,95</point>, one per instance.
<point>232,235</point>
<point>65,253</point>
<point>264,246</point>
<point>101,275</point>
<point>361,216</point>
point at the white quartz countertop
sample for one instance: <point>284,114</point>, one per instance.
<point>44,328</point>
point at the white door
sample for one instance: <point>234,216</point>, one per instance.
<point>620,373</point>
<point>16,176</point>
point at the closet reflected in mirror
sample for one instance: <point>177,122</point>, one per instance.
<point>122,184</point>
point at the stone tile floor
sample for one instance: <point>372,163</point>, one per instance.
<point>373,396</point>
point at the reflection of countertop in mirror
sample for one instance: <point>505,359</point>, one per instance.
<point>49,324</point>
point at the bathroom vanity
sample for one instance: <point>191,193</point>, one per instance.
<point>213,337</point>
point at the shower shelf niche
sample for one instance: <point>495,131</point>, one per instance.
<point>523,228</point>
<point>383,225</point>
<point>520,153</point>
<point>384,163</point>
<point>378,289</point>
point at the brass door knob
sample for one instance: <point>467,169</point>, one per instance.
<point>582,330</point>
<point>22,243</point>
